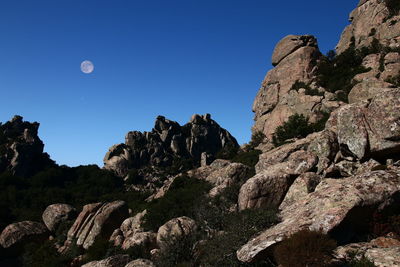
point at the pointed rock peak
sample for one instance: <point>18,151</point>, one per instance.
<point>290,44</point>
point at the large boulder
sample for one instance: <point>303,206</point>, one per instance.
<point>175,229</point>
<point>96,222</point>
<point>168,142</point>
<point>269,187</point>
<point>289,44</point>
<point>133,224</point>
<point>145,240</point>
<point>113,261</point>
<point>21,233</point>
<point>370,128</point>
<point>56,214</point>
<point>141,263</point>
<point>337,206</point>
<point>21,150</point>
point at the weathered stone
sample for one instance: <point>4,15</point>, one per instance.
<point>140,263</point>
<point>175,228</point>
<point>113,261</point>
<point>366,90</point>
<point>133,224</point>
<point>21,233</point>
<point>327,208</point>
<point>55,214</point>
<point>145,240</point>
<point>269,187</point>
<point>117,238</point>
<point>302,186</point>
<point>97,221</point>
<point>289,44</point>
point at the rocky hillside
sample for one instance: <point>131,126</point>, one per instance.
<point>318,184</point>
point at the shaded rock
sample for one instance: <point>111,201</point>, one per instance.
<point>175,228</point>
<point>21,150</point>
<point>117,238</point>
<point>113,261</point>
<point>97,221</point>
<point>167,143</point>
<point>289,44</point>
<point>269,187</point>
<point>133,224</point>
<point>366,90</point>
<point>140,263</point>
<point>21,233</point>
<point>328,207</point>
<point>145,240</point>
<point>55,214</point>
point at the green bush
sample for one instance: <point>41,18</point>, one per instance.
<point>305,248</point>
<point>238,228</point>
<point>308,90</point>
<point>182,199</point>
<point>358,260</point>
<point>256,139</point>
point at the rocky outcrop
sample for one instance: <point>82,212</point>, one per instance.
<point>113,261</point>
<point>335,207</point>
<point>371,20</point>
<point>168,142</point>
<point>175,228</point>
<point>21,150</point>
<point>96,221</point>
<point>145,240</point>
<point>56,214</point>
<point>21,233</point>
<point>276,101</point>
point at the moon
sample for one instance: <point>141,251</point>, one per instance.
<point>87,67</point>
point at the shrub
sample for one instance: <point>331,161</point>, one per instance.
<point>393,7</point>
<point>358,260</point>
<point>182,198</point>
<point>308,90</point>
<point>297,126</point>
<point>43,255</point>
<point>256,139</point>
<point>305,248</point>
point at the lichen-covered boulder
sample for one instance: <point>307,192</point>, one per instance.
<point>175,228</point>
<point>21,233</point>
<point>55,214</point>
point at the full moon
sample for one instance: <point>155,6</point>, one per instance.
<point>87,67</point>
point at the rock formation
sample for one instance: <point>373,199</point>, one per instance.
<point>21,233</point>
<point>168,142</point>
<point>21,150</point>
<point>56,214</point>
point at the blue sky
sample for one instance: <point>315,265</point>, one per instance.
<point>152,57</point>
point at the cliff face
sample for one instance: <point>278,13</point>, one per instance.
<point>169,142</point>
<point>21,150</point>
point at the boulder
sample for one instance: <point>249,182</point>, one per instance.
<point>367,89</point>
<point>330,208</point>
<point>21,233</point>
<point>97,221</point>
<point>56,214</point>
<point>174,229</point>
<point>289,44</point>
<point>141,263</point>
<point>167,143</point>
<point>269,187</point>
<point>113,261</point>
<point>145,240</point>
<point>133,224</point>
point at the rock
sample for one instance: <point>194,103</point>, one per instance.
<point>223,177</point>
<point>370,128</point>
<point>21,148</point>
<point>289,44</point>
<point>117,238</point>
<point>97,221</point>
<point>329,208</point>
<point>133,224</point>
<point>113,261</point>
<point>275,101</point>
<point>369,17</point>
<point>56,214</point>
<point>384,257</point>
<point>392,66</point>
<point>302,186</point>
<point>21,233</point>
<point>366,90</point>
<point>175,228</point>
<point>269,187</point>
<point>168,142</point>
<point>145,240</point>
<point>140,263</point>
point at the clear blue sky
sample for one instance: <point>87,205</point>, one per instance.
<point>151,57</point>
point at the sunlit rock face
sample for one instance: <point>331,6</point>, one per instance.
<point>169,142</point>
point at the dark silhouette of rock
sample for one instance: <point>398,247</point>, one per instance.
<point>169,143</point>
<point>21,150</point>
